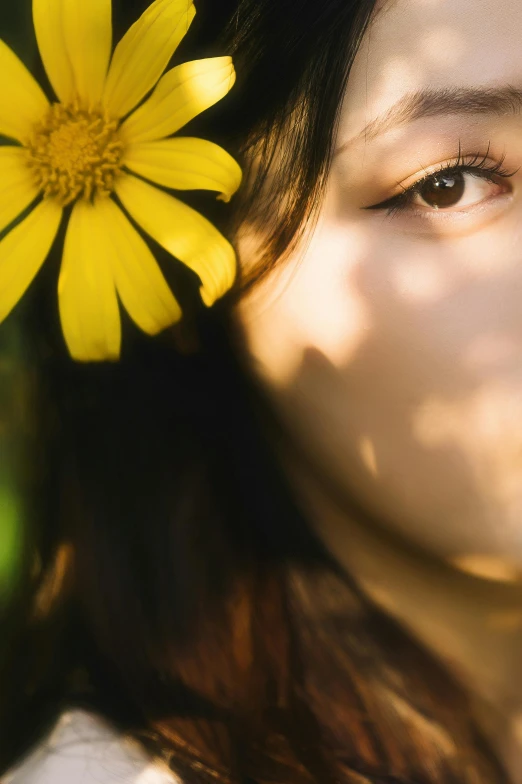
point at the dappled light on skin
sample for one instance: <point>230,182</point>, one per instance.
<point>516,724</point>
<point>378,325</point>
<point>492,351</point>
<point>368,456</point>
<point>442,46</point>
<point>481,428</point>
<point>422,280</point>
<point>413,61</point>
<point>402,335</point>
<point>398,70</point>
<point>488,567</point>
<point>313,298</point>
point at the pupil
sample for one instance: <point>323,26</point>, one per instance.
<point>443,190</point>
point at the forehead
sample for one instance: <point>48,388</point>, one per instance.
<point>415,44</point>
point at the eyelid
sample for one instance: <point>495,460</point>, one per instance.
<point>478,164</point>
<point>474,165</point>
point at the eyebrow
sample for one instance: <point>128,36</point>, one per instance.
<point>449,100</point>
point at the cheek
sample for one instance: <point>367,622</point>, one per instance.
<point>312,301</point>
<point>397,364</point>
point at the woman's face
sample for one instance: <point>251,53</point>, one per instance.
<point>392,341</point>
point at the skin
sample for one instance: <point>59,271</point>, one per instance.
<point>392,347</point>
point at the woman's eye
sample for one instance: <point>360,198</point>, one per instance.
<point>455,189</point>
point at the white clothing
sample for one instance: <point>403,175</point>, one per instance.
<point>83,749</point>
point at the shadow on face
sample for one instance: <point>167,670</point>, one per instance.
<point>392,341</point>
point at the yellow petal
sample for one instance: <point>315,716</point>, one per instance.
<point>48,25</point>
<point>86,291</point>
<point>75,40</point>
<point>22,102</point>
<point>141,286</point>
<point>23,251</point>
<point>186,164</point>
<point>144,52</point>
<point>17,189</point>
<point>182,94</point>
<point>182,231</point>
<point>88,35</point>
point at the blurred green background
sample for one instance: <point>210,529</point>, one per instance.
<point>16,31</point>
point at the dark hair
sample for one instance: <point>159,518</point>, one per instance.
<point>169,580</point>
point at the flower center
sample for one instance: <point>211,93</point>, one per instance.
<point>75,153</point>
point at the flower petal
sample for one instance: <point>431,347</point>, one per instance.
<point>23,251</point>
<point>75,41</point>
<point>48,25</point>
<point>17,189</point>
<point>144,52</point>
<point>182,231</point>
<point>141,286</point>
<point>86,291</point>
<point>186,164</point>
<point>88,35</point>
<point>22,102</point>
<point>182,94</point>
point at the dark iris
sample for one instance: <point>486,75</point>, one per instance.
<point>443,190</point>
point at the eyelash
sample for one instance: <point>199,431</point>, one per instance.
<point>477,165</point>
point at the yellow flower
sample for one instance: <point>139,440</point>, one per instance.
<point>90,145</point>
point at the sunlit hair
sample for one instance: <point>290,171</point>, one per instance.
<point>171,583</point>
